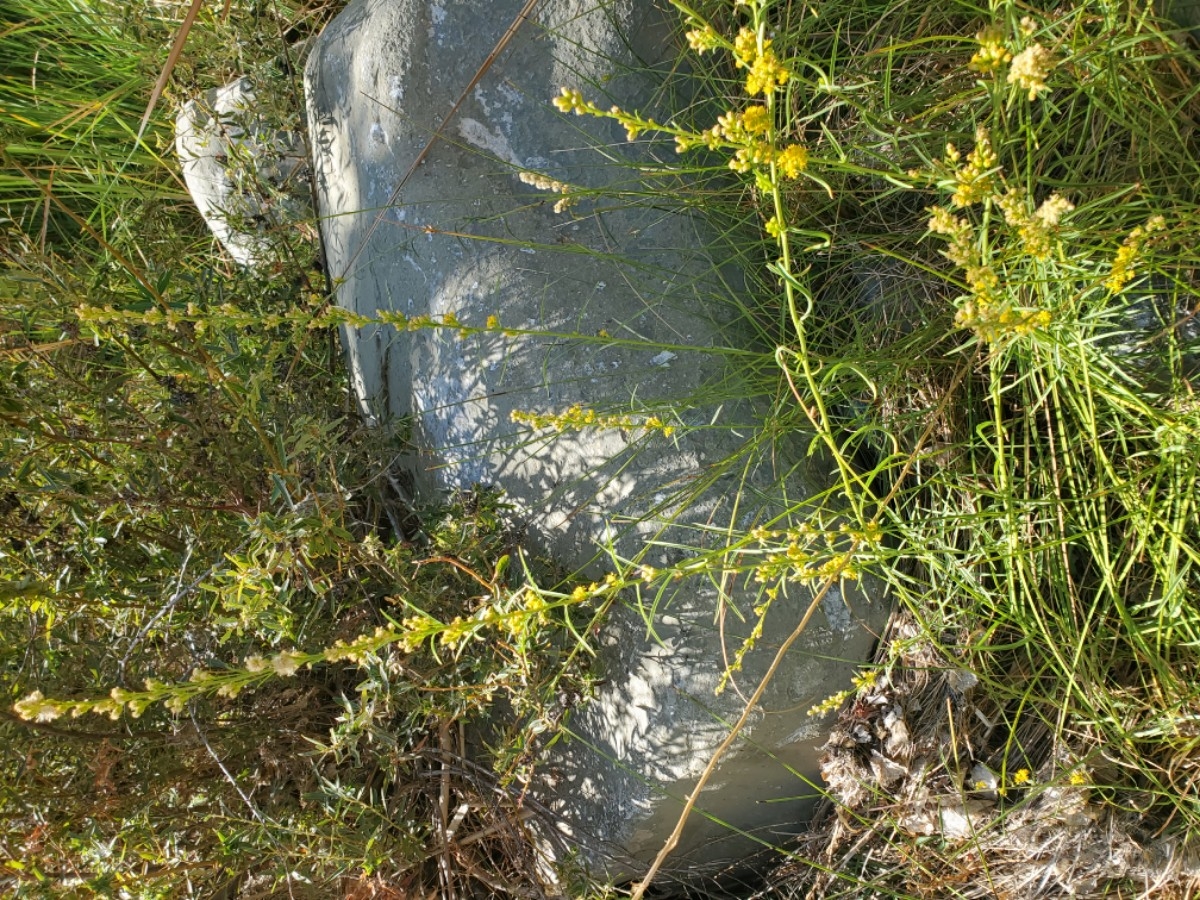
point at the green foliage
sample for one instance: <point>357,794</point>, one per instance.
<point>987,302</point>
<point>967,233</point>
<point>200,542</point>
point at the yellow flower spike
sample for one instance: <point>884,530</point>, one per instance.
<point>975,182</point>
<point>572,101</point>
<point>866,680</point>
<point>36,708</point>
<point>942,221</point>
<point>1124,266</point>
<point>829,704</point>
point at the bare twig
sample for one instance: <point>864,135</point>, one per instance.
<point>254,810</point>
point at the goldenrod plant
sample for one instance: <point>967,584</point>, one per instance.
<point>237,657</point>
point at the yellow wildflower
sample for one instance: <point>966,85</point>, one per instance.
<point>942,221</point>
<point>1124,266</point>
<point>745,47</point>
<point>36,708</point>
<point>993,322</point>
<point>792,161</point>
<point>286,663</point>
<point>1022,776</point>
<point>975,181</point>
<point>572,101</point>
<point>729,126</point>
<point>774,227</point>
<point>703,39</point>
<point>992,54</point>
<point>457,632</point>
<point>1053,209</point>
<point>829,704</point>
<point>766,74</point>
<point>982,279</point>
<point>543,183</point>
<point>753,154</point>
<point>1079,777</point>
<point>1036,229</point>
<point>1030,68</point>
<point>864,681</point>
<point>756,120</point>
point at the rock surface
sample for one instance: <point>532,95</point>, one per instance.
<point>247,175</point>
<point>613,306</point>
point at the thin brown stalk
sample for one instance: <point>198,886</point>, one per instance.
<point>169,66</point>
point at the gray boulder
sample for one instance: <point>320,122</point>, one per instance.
<point>612,305</point>
<point>246,171</point>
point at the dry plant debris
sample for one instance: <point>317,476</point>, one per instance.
<point>930,795</point>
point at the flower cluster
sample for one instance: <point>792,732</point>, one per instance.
<point>226,315</point>
<point>986,310</point>
<point>1124,265</point>
<point>175,697</point>
<point>703,38</point>
<point>751,136</point>
<point>513,615</point>
<point>545,183</point>
<point>975,181</point>
<point>862,682</point>
<point>812,554</point>
<point>766,73</point>
<point>570,101</point>
<point>577,418</point>
<point>1028,69</point>
<point>994,321</point>
<point>992,53</point>
<point>1035,229</point>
